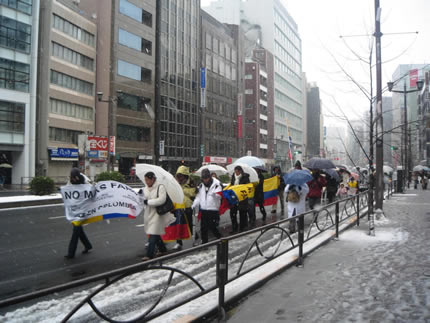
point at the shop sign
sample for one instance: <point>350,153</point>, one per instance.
<point>64,153</point>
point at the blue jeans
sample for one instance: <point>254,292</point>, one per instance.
<point>155,240</point>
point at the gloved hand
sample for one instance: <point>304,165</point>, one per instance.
<point>145,202</point>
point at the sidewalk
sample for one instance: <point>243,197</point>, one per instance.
<point>358,278</point>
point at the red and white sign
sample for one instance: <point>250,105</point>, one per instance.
<point>101,144</point>
<point>413,78</point>
<point>218,160</point>
<point>97,143</point>
<point>112,145</point>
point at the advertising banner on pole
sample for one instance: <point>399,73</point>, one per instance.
<point>86,203</point>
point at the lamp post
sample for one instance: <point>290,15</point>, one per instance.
<point>111,100</point>
<point>405,157</point>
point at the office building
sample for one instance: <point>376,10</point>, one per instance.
<point>66,86</point>
<point>19,32</point>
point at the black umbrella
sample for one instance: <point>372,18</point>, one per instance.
<point>319,163</point>
<point>332,173</point>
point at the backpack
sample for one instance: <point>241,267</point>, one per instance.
<point>293,196</point>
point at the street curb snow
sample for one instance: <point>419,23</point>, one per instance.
<point>206,306</point>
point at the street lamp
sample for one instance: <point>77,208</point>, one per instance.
<point>111,99</point>
<point>405,157</point>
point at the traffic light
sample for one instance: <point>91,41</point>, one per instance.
<point>297,152</point>
<point>394,148</point>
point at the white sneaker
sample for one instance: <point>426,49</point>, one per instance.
<point>177,246</point>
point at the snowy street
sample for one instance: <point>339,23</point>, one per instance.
<point>359,278</point>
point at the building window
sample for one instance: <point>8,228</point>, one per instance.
<point>133,41</point>
<point>73,30</point>
<point>14,75</point>
<point>20,5</point>
<point>132,133</point>
<point>12,117</point>
<point>64,135</point>
<point>134,72</point>
<point>15,34</point>
<point>249,91</point>
<point>248,77</point>
<point>71,83</point>
<point>71,56</point>
<point>135,12</point>
<point>71,110</point>
<point>131,102</point>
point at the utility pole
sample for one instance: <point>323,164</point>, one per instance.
<point>379,125</point>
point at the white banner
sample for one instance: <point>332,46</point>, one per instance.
<point>88,203</point>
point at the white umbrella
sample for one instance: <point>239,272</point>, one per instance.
<point>163,177</point>
<point>387,169</point>
<point>219,170</point>
<point>5,165</point>
<point>251,161</point>
<point>417,168</point>
<point>253,176</point>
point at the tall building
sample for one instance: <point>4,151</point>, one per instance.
<point>401,78</point>
<point>19,32</point>
<point>126,55</point>
<point>335,144</point>
<point>66,85</point>
<point>177,83</point>
<point>259,106</point>
<point>219,57</point>
<point>355,140</point>
<point>275,30</point>
<point>313,113</point>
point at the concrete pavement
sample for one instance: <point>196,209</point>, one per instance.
<point>359,278</point>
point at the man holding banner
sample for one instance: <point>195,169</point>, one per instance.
<point>78,231</point>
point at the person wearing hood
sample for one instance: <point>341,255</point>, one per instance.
<point>155,195</point>
<point>190,190</point>
<point>77,178</point>
<point>239,177</point>
<point>298,165</point>
<point>276,171</point>
<point>208,199</point>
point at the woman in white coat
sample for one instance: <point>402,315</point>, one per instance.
<point>155,195</point>
<point>299,206</point>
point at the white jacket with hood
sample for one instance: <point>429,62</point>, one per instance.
<point>208,198</point>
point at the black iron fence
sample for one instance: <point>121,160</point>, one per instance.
<point>162,284</point>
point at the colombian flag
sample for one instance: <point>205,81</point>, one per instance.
<point>270,189</point>
<point>103,217</point>
<point>236,193</point>
<point>178,230</point>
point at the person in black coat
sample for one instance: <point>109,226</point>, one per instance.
<point>259,193</point>
<point>238,178</point>
<point>332,186</point>
<point>78,231</point>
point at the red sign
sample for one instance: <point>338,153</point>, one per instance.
<point>413,78</point>
<point>239,126</point>
<point>97,143</point>
<point>218,160</point>
<point>101,144</point>
<point>112,145</point>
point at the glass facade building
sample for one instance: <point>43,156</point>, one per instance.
<point>19,26</point>
<point>177,91</point>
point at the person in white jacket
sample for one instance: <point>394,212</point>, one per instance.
<point>208,200</point>
<point>299,206</point>
<point>155,195</point>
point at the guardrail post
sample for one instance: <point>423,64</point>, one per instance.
<point>222,276</point>
<point>301,237</point>
<point>337,219</point>
<point>358,209</point>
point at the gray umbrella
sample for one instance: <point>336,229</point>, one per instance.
<point>319,163</point>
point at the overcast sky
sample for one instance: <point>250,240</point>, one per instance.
<point>321,22</point>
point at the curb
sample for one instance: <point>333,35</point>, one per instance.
<point>9,205</point>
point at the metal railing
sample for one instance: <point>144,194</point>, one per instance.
<point>170,275</point>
